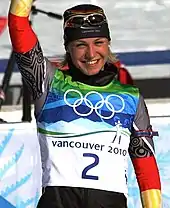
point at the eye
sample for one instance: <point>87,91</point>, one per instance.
<point>100,42</point>
<point>80,45</point>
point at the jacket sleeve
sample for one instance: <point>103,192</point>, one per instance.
<point>142,154</point>
<point>34,67</point>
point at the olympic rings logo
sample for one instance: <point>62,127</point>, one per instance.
<point>76,102</point>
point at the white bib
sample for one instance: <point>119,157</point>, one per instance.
<point>96,161</point>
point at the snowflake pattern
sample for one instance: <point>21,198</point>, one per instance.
<point>10,184</point>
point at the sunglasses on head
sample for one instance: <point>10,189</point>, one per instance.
<point>79,21</point>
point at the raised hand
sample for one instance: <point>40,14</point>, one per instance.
<point>21,8</point>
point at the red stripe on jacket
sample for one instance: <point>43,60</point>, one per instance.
<point>147,173</point>
<point>22,36</point>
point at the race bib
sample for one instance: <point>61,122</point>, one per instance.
<point>92,161</point>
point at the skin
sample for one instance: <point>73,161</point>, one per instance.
<point>89,54</point>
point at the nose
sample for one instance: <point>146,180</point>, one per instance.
<point>91,51</point>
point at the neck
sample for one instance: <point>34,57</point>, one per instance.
<point>103,78</point>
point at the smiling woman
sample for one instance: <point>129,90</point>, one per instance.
<point>89,54</point>
<point>85,105</point>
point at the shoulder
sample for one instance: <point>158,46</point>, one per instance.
<point>61,75</point>
<point>126,88</point>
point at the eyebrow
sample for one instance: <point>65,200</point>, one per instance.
<point>80,41</point>
<point>97,39</point>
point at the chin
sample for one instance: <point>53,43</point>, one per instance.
<point>92,72</point>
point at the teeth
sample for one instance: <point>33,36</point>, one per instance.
<point>92,62</point>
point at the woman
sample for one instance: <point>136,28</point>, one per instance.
<point>87,121</point>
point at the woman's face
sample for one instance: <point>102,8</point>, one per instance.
<point>89,54</point>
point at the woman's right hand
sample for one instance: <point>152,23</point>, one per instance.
<point>21,8</point>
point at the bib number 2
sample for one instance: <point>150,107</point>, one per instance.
<point>90,166</point>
